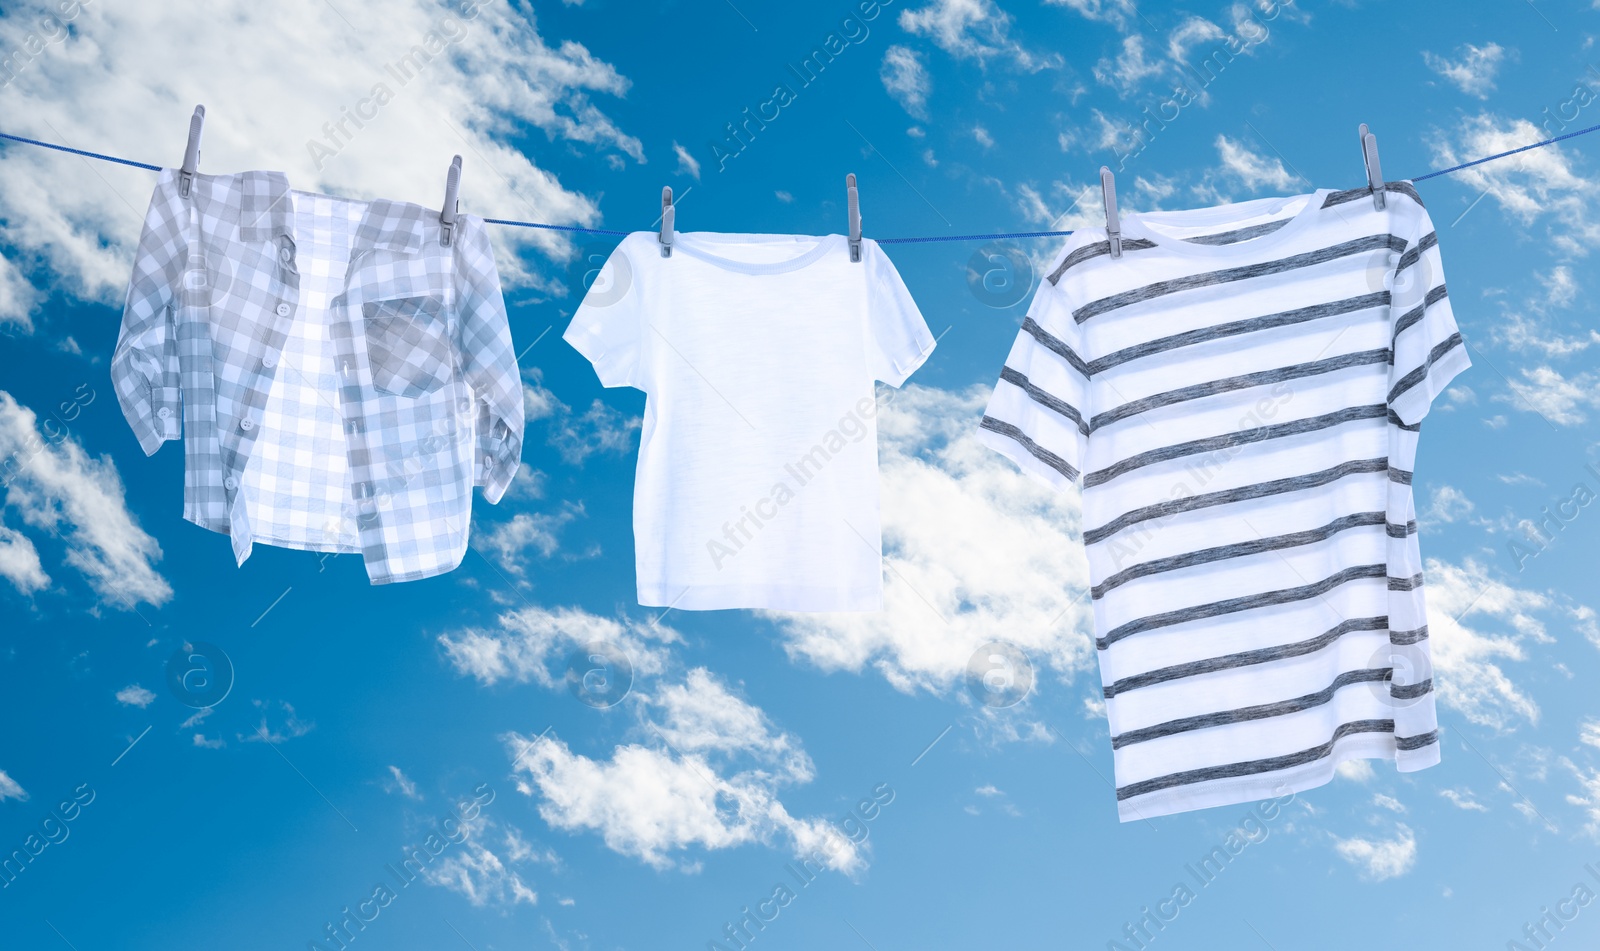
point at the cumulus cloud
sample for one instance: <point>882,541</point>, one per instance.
<point>974,550</point>
<point>577,436</point>
<point>1560,399</point>
<point>1467,661</point>
<point>1251,168</point>
<point>708,780</point>
<point>1449,504</point>
<point>134,695</point>
<point>1115,12</point>
<point>1538,185</point>
<point>1472,71</point>
<point>19,562</point>
<point>525,643</point>
<point>511,543</point>
<point>1380,859</point>
<point>126,78</point>
<point>906,79</point>
<point>56,487</point>
<point>1130,67</point>
<point>972,29</point>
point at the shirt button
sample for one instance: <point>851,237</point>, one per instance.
<point>283,310</point>
<point>269,361</point>
<point>230,483</point>
<point>247,424</point>
<point>164,413</point>
<point>285,255</point>
<point>488,462</point>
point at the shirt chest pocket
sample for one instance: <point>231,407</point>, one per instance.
<point>408,345</point>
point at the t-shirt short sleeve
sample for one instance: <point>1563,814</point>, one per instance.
<point>1037,415</point>
<point>607,327</point>
<point>1426,346</point>
<point>898,340</point>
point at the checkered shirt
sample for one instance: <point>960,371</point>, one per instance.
<point>343,379</point>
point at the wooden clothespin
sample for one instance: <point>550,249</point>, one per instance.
<point>191,154</point>
<point>1108,192</point>
<point>1369,157</point>
<point>452,203</point>
<point>853,202</point>
<point>667,220</point>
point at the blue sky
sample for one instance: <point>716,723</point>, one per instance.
<point>360,721</point>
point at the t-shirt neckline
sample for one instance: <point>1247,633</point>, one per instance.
<point>695,244</point>
<point>1136,224</point>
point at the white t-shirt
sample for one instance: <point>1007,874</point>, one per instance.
<point>757,484</point>
<point>1240,395</point>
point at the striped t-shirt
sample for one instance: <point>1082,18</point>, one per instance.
<point>1239,395</point>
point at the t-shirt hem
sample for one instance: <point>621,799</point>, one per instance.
<point>1025,460</point>
<point>1413,406</point>
<point>903,371</point>
<point>759,597</point>
<point>1227,792</point>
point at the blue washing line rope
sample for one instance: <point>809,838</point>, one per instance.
<point>924,240</point>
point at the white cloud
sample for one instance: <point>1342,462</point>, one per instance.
<point>1527,186</point>
<point>1115,12</point>
<point>687,164</point>
<point>974,551</point>
<point>293,726</point>
<point>1388,802</point>
<point>512,542</point>
<point>11,789</point>
<point>1589,732</point>
<point>1125,71</point>
<point>1463,799</point>
<point>600,429</point>
<point>125,81</point>
<point>1467,661</point>
<point>1588,799</point>
<point>19,562</point>
<point>18,297</point>
<point>649,803</point>
<point>701,716</point>
<point>1558,398</point>
<point>56,487</point>
<point>1532,325</point>
<point>972,29</point>
<point>528,641</point>
<point>134,695</point>
<point>401,783</point>
<point>705,773</point>
<point>1449,504</point>
<point>474,871</point>
<point>1474,70</point>
<point>906,79</point>
<point>982,136</point>
<point>1253,169</point>
<point>1380,859</point>
<point>1190,33</point>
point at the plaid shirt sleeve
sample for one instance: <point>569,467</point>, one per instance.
<point>144,368</point>
<point>488,361</point>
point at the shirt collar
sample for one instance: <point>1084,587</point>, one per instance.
<point>262,207</point>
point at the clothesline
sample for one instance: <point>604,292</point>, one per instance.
<point>574,229</point>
